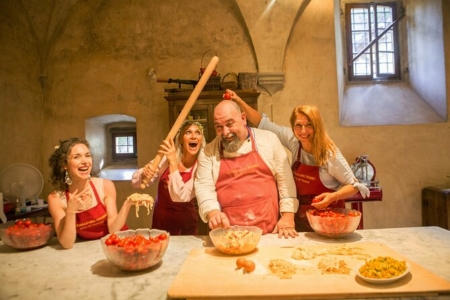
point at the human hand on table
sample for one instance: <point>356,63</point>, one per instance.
<point>286,226</point>
<point>217,219</point>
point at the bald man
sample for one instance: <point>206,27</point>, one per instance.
<point>244,177</point>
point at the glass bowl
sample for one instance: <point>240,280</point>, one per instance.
<point>27,234</point>
<point>135,250</point>
<point>334,222</point>
<point>236,239</point>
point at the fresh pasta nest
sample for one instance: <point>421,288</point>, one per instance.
<point>142,199</point>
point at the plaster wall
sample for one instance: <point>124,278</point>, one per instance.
<point>427,67</point>
<point>64,62</point>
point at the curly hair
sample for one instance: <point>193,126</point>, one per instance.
<point>58,160</point>
<point>322,145</point>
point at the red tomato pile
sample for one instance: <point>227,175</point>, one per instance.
<point>135,252</point>
<point>334,222</point>
<point>26,234</point>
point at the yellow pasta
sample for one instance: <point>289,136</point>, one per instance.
<point>383,267</point>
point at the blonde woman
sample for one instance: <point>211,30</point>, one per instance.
<point>322,175</point>
<point>174,209</point>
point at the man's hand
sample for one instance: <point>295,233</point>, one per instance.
<point>217,219</point>
<point>286,226</point>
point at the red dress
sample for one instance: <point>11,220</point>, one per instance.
<point>178,218</point>
<point>247,190</point>
<point>92,223</point>
<point>309,185</point>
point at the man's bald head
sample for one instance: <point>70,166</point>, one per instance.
<point>230,124</point>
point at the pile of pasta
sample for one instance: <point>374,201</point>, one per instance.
<point>383,267</point>
<point>142,199</point>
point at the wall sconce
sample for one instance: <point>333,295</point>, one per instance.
<point>151,74</point>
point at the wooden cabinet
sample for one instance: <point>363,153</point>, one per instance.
<point>203,109</point>
<point>436,206</point>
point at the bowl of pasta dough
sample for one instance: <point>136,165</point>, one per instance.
<point>236,239</point>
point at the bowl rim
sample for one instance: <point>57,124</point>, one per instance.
<point>339,209</point>
<point>235,228</point>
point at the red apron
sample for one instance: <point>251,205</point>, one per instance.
<point>309,185</point>
<point>92,224</point>
<point>247,190</point>
<point>178,218</point>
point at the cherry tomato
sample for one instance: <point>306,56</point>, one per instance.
<point>162,236</point>
<point>27,223</point>
<point>315,200</point>
<point>249,266</point>
<point>240,262</point>
<point>227,96</point>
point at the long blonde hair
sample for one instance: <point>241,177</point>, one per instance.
<point>322,145</point>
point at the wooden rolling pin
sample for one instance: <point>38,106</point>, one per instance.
<point>184,112</point>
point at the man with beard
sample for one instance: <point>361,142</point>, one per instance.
<point>244,177</point>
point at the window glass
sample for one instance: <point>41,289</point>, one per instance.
<point>372,43</point>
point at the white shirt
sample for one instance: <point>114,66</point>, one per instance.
<point>335,173</point>
<point>179,191</point>
<point>271,152</point>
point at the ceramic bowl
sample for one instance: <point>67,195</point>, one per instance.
<point>377,278</point>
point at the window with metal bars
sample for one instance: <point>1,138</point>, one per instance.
<point>373,52</point>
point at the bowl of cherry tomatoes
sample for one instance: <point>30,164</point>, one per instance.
<point>334,222</point>
<point>27,234</point>
<point>135,250</point>
<point>236,239</point>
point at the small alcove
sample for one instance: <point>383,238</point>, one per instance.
<point>113,142</point>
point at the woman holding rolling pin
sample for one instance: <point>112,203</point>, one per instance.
<point>174,209</point>
<point>322,175</point>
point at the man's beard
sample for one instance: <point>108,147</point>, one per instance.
<point>233,145</point>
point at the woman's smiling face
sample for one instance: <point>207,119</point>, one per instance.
<point>192,140</point>
<point>79,162</point>
<point>303,129</point>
